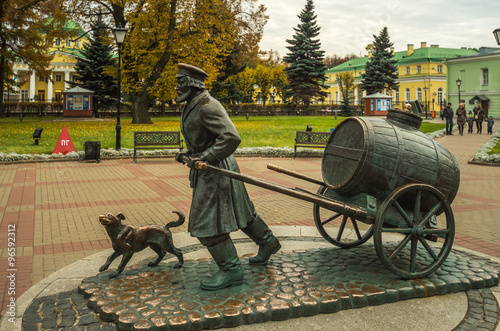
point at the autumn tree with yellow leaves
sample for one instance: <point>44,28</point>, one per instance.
<point>162,33</point>
<point>27,29</point>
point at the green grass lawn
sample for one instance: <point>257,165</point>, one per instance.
<point>274,131</point>
<point>496,149</point>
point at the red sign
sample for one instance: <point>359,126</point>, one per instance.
<point>64,144</point>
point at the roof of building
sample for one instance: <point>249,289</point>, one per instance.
<point>419,55</point>
<point>378,95</point>
<point>78,89</point>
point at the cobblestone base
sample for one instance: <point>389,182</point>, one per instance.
<point>293,284</point>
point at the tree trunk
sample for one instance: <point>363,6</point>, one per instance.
<point>140,107</point>
<point>2,82</point>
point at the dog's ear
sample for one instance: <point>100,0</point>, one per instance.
<point>120,216</point>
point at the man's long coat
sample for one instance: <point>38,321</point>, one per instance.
<point>220,204</point>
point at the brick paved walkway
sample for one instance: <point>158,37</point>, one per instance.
<point>55,206</point>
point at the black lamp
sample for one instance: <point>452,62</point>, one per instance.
<point>459,83</point>
<point>496,33</point>
<point>119,34</point>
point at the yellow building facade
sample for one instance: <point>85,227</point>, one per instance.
<point>37,88</point>
<point>422,76</point>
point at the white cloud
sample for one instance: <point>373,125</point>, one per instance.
<point>348,26</point>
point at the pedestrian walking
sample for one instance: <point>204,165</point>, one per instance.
<point>470,121</point>
<point>490,124</point>
<point>479,119</point>
<point>461,118</point>
<point>448,115</point>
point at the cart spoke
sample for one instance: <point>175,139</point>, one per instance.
<point>429,249</point>
<point>416,210</point>
<point>328,220</point>
<point>413,254</point>
<point>403,213</point>
<point>355,226</point>
<point>429,214</point>
<point>342,227</point>
<point>401,245</point>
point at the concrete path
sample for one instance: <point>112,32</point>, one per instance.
<point>51,209</point>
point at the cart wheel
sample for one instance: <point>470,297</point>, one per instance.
<point>412,255</point>
<point>346,232</point>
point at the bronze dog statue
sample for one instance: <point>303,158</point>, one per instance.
<point>128,240</point>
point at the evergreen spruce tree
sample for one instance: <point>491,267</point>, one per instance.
<point>306,70</point>
<point>91,66</point>
<point>381,70</point>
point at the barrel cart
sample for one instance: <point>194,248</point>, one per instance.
<point>382,179</point>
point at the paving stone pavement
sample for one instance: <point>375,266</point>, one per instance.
<point>52,208</point>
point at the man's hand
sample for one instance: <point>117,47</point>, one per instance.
<point>193,161</point>
<point>179,157</point>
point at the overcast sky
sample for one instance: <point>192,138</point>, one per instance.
<point>348,26</point>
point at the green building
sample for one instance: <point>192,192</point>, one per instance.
<point>479,80</point>
<point>422,75</point>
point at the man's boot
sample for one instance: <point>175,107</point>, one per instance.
<point>230,272</point>
<point>260,233</point>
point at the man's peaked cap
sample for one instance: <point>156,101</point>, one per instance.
<point>184,69</point>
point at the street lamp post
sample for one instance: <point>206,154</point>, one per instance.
<point>119,34</point>
<point>426,105</point>
<point>459,82</point>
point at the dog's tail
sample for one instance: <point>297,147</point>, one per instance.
<point>179,222</point>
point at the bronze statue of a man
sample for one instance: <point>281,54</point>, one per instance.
<point>220,205</point>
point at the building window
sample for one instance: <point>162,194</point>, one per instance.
<point>24,96</point>
<point>74,78</point>
<point>41,79</point>
<point>336,96</point>
<point>407,95</point>
<point>396,96</point>
<point>68,42</point>
<point>329,97</point>
<point>58,78</point>
<point>77,44</point>
<point>440,95</point>
<point>57,42</point>
<point>407,70</point>
<point>440,68</point>
<point>484,77</point>
<point>419,94</point>
<point>419,69</point>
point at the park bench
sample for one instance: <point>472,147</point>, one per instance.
<point>310,139</point>
<point>157,140</point>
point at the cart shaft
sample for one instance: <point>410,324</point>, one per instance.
<point>325,202</point>
<point>294,174</point>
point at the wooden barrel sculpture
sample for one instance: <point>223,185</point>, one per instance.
<point>377,155</point>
